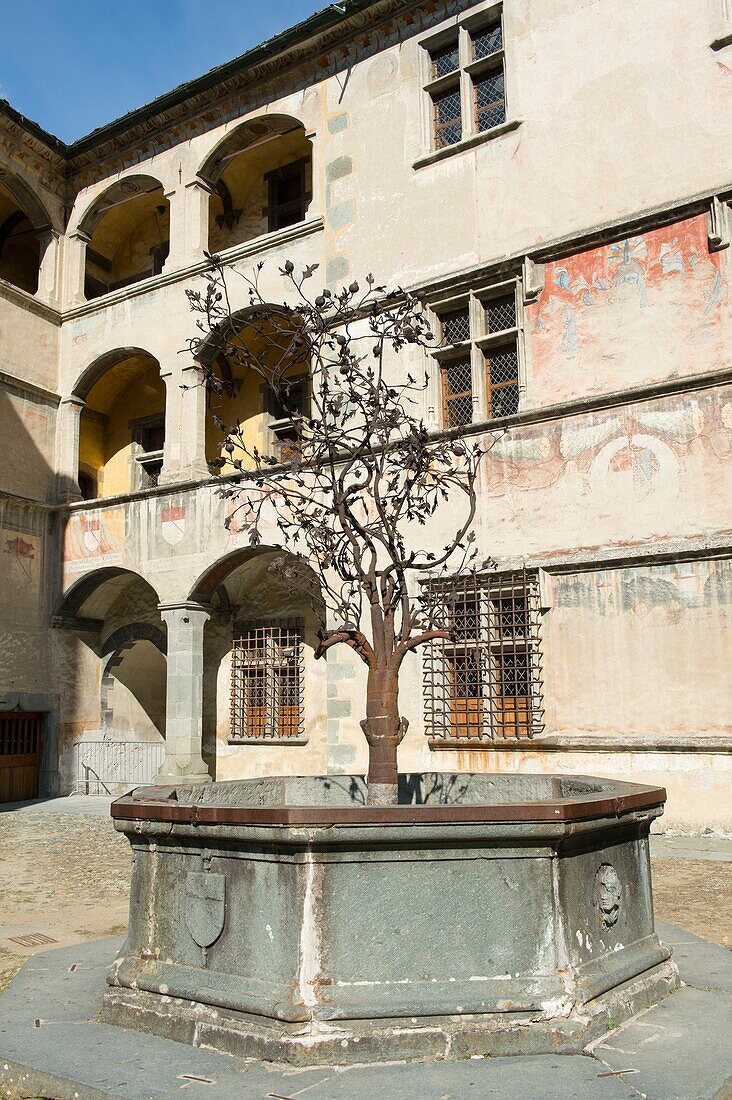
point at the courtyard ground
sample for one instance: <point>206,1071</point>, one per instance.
<point>64,879</point>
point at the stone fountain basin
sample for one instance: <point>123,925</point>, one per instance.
<point>284,918</point>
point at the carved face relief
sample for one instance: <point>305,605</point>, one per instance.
<point>608,894</point>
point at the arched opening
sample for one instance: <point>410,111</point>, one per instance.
<point>247,402</point>
<point>133,692</point>
<point>20,251</point>
<point>261,176</point>
<point>264,692</point>
<point>113,650</point>
<point>122,429</point>
<point>129,230</point>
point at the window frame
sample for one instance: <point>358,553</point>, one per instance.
<point>147,462</point>
<point>448,713</point>
<point>277,211</point>
<point>268,624</point>
<point>480,342</point>
<point>462,31</point>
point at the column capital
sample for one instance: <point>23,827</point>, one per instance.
<point>201,184</point>
<point>73,400</point>
<point>47,230</point>
<point>80,235</point>
<point>190,606</point>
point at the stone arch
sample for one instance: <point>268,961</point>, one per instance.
<point>33,207</point>
<point>25,232</point>
<point>255,131</point>
<point>286,694</point>
<point>215,575</point>
<point>89,598</point>
<point>122,427</point>
<point>127,234</point>
<point>115,195</point>
<point>126,636</point>
<point>260,178</point>
<point>105,362</point>
<point>247,400</point>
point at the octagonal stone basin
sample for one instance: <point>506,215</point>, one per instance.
<point>285,919</point>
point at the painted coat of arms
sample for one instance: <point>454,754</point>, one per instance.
<point>205,906</point>
<point>173,523</point>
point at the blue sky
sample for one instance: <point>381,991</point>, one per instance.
<point>73,65</point>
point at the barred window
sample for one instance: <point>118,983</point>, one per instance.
<point>484,684</point>
<point>466,81</point>
<point>480,336</point>
<point>267,681</point>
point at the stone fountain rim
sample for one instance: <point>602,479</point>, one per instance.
<point>616,798</point>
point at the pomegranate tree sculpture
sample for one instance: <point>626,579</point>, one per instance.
<point>355,478</point>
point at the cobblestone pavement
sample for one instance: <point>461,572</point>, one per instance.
<point>64,874</point>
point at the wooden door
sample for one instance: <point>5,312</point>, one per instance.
<point>20,755</point>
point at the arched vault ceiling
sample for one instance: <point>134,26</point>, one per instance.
<point>114,381</point>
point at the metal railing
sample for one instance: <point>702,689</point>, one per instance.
<point>102,767</point>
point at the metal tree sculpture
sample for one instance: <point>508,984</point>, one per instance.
<point>362,473</point>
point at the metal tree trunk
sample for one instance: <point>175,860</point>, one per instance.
<point>384,729</point>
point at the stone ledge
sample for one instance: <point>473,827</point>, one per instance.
<point>640,743</point>
<point>467,143</point>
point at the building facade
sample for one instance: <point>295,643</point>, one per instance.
<point>555,180</point>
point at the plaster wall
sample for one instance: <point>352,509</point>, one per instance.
<point>29,341</point>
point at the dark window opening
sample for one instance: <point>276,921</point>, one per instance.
<point>288,196</point>
<point>87,486</point>
<point>149,437</point>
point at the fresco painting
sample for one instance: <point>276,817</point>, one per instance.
<point>608,464</point>
<point>607,314</point>
<point>94,540</point>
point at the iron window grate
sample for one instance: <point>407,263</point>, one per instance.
<point>20,734</point>
<point>500,313</point>
<point>484,684</point>
<point>455,326</point>
<point>457,391</point>
<point>502,383</point>
<point>267,681</point>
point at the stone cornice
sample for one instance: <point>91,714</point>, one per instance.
<point>264,243</point>
<point>20,385</point>
<point>28,302</point>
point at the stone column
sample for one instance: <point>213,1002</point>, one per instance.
<point>170,472</point>
<point>198,193</point>
<point>76,267</point>
<point>50,268</point>
<point>176,256</point>
<point>67,448</point>
<point>193,425</point>
<point>185,427</point>
<point>183,762</point>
